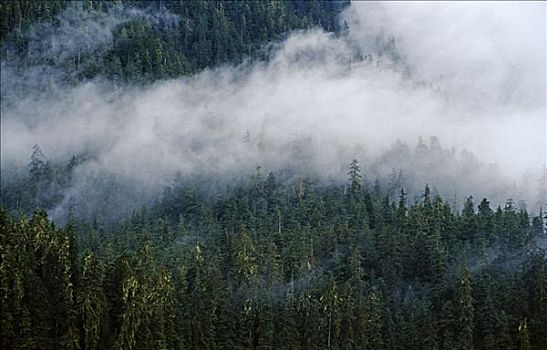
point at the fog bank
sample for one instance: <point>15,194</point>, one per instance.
<point>472,75</point>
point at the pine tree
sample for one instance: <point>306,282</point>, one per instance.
<point>354,178</point>
<point>374,320</point>
<point>469,222</point>
<point>330,302</point>
<point>91,303</point>
<point>465,322</point>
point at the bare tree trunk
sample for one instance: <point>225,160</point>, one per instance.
<point>278,221</point>
<point>330,327</point>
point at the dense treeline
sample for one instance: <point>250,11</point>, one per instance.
<point>279,265</point>
<point>72,184</point>
<point>183,38</point>
<point>271,262</point>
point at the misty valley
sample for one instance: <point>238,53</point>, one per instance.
<point>273,175</point>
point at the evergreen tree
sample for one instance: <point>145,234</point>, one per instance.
<point>91,303</point>
<point>466,311</point>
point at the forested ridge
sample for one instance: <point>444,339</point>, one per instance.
<point>272,265</point>
<point>166,39</point>
<point>93,258</point>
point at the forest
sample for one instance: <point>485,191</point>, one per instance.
<point>195,35</point>
<point>95,256</point>
<point>272,265</point>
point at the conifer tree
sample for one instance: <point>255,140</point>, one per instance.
<point>465,322</point>
<point>91,303</point>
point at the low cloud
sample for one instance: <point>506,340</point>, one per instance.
<point>470,74</point>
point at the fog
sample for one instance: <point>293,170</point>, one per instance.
<point>470,74</point>
<point>488,59</point>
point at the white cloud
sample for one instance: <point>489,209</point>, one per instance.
<point>310,105</point>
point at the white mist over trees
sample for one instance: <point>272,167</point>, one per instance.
<point>272,175</point>
<point>469,75</point>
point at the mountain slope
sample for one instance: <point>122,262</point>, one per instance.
<point>149,40</point>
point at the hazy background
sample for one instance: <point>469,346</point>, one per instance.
<point>470,74</point>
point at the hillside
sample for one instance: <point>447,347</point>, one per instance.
<point>272,175</point>
<point>152,39</point>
